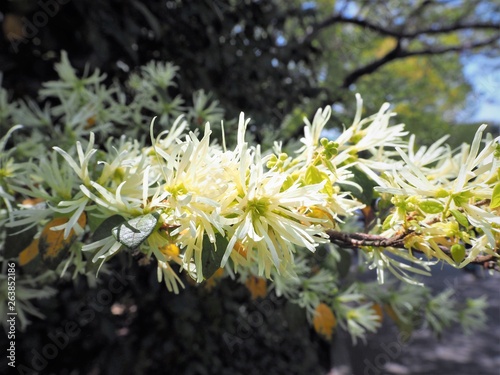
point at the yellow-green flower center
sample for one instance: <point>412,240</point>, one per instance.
<point>177,190</point>
<point>258,207</point>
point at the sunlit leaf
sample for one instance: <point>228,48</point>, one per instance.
<point>315,176</point>
<point>135,231</point>
<point>387,222</point>
<point>431,207</point>
<point>462,198</point>
<point>460,218</point>
<point>495,196</point>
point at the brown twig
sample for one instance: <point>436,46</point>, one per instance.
<point>357,240</point>
<point>366,239</point>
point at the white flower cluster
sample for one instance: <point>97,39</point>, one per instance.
<point>447,200</point>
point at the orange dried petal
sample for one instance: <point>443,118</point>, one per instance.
<point>82,220</point>
<point>90,122</point>
<point>212,281</point>
<point>53,245</point>
<point>391,313</point>
<point>30,253</point>
<point>257,286</point>
<point>378,311</point>
<point>324,321</point>
<point>240,249</point>
<point>31,201</point>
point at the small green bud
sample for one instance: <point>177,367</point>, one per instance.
<point>442,193</point>
<point>272,161</point>
<point>458,253</point>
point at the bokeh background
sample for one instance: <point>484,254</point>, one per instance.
<point>436,61</point>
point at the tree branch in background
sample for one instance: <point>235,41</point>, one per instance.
<point>398,53</point>
<point>405,36</point>
<point>457,48</point>
<point>393,54</point>
<point>397,32</point>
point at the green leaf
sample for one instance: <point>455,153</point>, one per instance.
<point>135,231</point>
<point>289,181</point>
<point>460,218</point>
<point>366,193</point>
<point>462,198</point>
<point>105,228</point>
<point>431,207</point>
<point>387,222</point>
<point>211,255</point>
<point>495,196</point>
<point>315,176</point>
